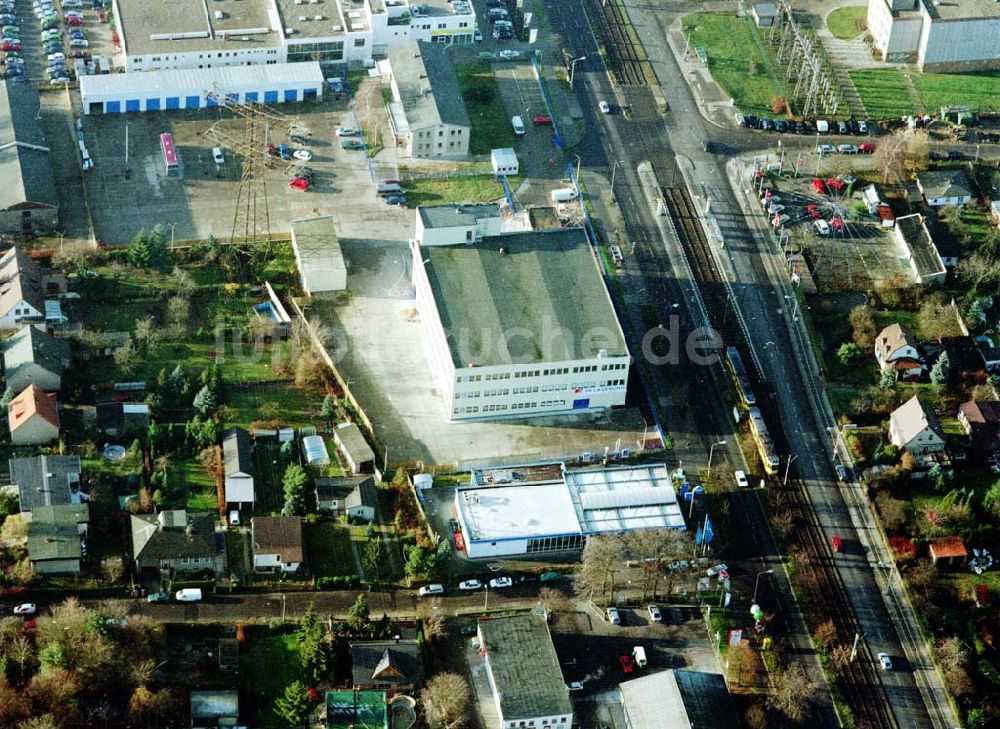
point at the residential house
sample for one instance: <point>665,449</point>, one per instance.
<point>964,356</point>
<point>348,709</point>
<point>387,665</point>
<point>354,448</point>
<point>523,672</point>
<point>33,417</point>
<point>46,481</point>
<point>116,419</point>
<point>947,552</point>
<point>353,496</point>
<point>427,114</point>
<point>981,422</point>
<point>916,245</point>
<point>678,699</point>
<point>211,709</point>
<point>237,461</point>
<point>896,347</point>
<point>32,357</point>
<point>915,429</point>
<point>173,541</point>
<point>56,538</point>
<point>944,242</point>
<point>276,542</point>
<point>22,295</point>
<point>765,14</point>
<point>944,187</point>
<point>991,359</point>
<point>29,204</point>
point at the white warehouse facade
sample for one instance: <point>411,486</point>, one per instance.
<point>518,324</point>
<point>187,89</point>
<point>545,508</point>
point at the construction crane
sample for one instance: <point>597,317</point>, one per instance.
<point>251,219</point>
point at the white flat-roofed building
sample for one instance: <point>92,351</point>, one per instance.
<point>448,225</point>
<point>193,88</point>
<point>520,325</point>
<point>440,21</point>
<point>504,161</point>
<point>545,508</point>
<point>322,269</point>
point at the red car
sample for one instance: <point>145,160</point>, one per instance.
<point>838,543</point>
<point>819,187</point>
<point>74,20</point>
<point>77,53</point>
<point>867,148</point>
<point>10,46</point>
<point>459,541</point>
<point>299,183</point>
<point>628,665</point>
<point>542,120</point>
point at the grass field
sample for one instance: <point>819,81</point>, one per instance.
<point>843,22</point>
<point>328,550</point>
<point>886,93</point>
<point>457,189</point>
<point>270,662</point>
<point>490,126</point>
<point>732,51</point>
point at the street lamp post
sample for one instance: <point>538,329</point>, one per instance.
<point>711,452</point>
<point>572,69</point>
<point>788,464</point>
<point>614,171</point>
<point>756,582</point>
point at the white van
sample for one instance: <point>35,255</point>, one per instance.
<point>639,654</point>
<point>189,594</point>
<point>431,590</point>
<point>515,121</point>
<point>822,227</point>
<point>822,126</point>
<point>217,155</point>
<point>563,194</point>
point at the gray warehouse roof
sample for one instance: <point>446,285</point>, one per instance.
<point>542,285</point>
<point>918,240</point>
<point>231,78</point>
<point>187,25</point>
<point>428,85</point>
<point>26,172</point>
<point>678,699</point>
<point>525,667</point>
<point>450,216</point>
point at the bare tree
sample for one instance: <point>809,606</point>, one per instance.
<point>893,511</point>
<point>840,659</point>
<point>825,636</point>
<point>446,699</point>
<point>602,559</point>
<point>146,333</point>
<point>756,717</point>
<point>54,691</point>
<point>978,270</point>
<point>127,356</point>
<point>902,153</point>
<point>433,623</point>
<point>951,653</point>
<point>863,329</point>
<point>553,600</point>
<point>791,692</point>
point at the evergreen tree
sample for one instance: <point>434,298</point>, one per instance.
<point>205,402</point>
<point>139,252</point>
<point>359,617</point>
<point>8,395</point>
<point>294,483</point>
<point>314,649</point>
<point>157,241</point>
<point>327,409</point>
<point>293,704</point>
<point>177,382</point>
<point>941,371</point>
<point>887,380</point>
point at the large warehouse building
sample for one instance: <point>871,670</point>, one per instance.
<point>187,89</point>
<point>193,34</point>
<point>520,325</point>
<point>28,200</point>
<point>939,37</point>
<point>541,508</point>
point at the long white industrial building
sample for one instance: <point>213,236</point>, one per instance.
<point>200,88</point>
<point>542,508</point>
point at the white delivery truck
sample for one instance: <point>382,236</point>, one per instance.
<point>639,654</point>
<point>189,594</point>
<point>563,194</point>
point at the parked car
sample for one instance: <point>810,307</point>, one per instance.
<point>351,144</point>
<point>775,208</point>
<point>866,148</point>
<point>74,21</point>
<point>741,120</point>
<point>188,594</point>
<point>59,80</point>
<point>297,139</point>
<point>158,597</point>
<point>780,125</point>
<point>431,590</point>
<point>401,200</point>
<point>303,154</point>
<point>841,472</point>
<point>826,149</point>
<point>220,159</point>
<point>470,585</point>
<point>837,543</point>
<point>57,56</point>
<point>346,131</point>
<point>627,664</point>
<point>77,53</point>
<point>603,106</point>
<point>741,479</point>
<point>574,686</point>
<point>847,148</point>
<point>613,617</point>
<point>78,43</point>
<point>549,577</point>
<point>477,36</point>
<point>800,127</point>
<point>542,120</point>
<point>500,582</point>
<point>841,127</point>
<point>73,14</point>
<point>299,183</point>
<point>10,46</point>
<point>862,126</point>
<point>885,661</point>
<point>509,55</point>
<point>654,614</point>
<point>26,608</point>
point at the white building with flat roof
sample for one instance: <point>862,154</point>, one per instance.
<point>542,508</point>
<point>322,269</point>
<point>519,325</point>
<point>195,35</point>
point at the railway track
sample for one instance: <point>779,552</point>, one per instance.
<point>623,56</point>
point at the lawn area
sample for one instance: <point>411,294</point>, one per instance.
<point>843,22</point>
<point>328,550</point>
<point>884,93</point>
<point>457,189</point>
<point>296,407</point>
<point>729,42</point>
<point>382,559</point>
<point>270,663</point>
<point>269,470</point>
<point>490,124</point>
<point>981,91</point>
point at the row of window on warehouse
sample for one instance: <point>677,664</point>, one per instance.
<point>197,101</point>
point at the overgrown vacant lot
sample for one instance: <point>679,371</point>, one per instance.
<point>886,93</point>
<point>490,124</point>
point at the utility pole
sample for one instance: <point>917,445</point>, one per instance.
<point>854,648</point>
<point>572,69</point>
<point>788,464</point>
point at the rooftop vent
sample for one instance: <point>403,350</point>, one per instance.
<point>503,250</point>
<point>303,18</point>
<point>319,17</point>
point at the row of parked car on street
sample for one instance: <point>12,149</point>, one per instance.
<point>821,126</point>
